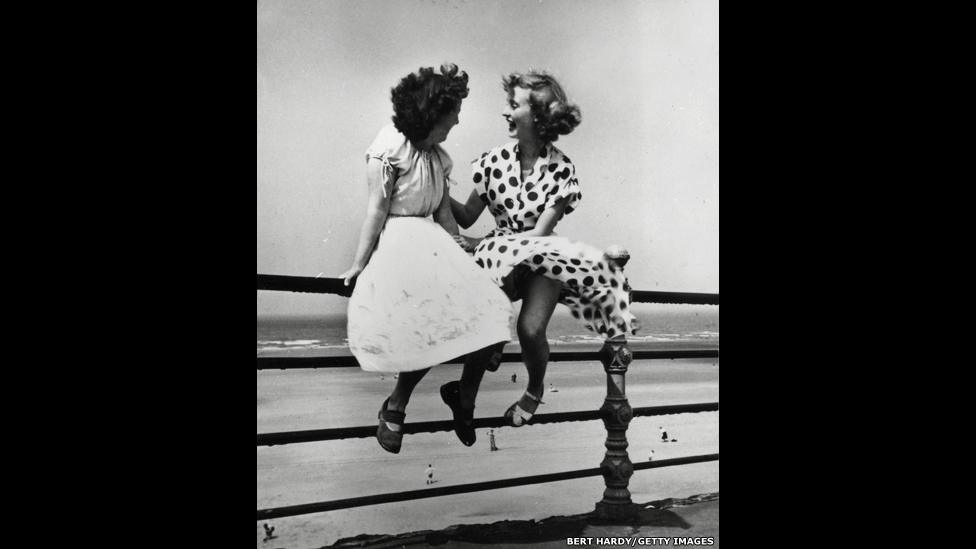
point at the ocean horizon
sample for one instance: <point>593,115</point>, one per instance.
<point>693,324</point>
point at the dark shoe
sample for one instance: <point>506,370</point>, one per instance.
<point>463,419</point>
<point>521,412</point>
<point>388,438</point>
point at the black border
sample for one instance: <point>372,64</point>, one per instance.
<point>181,259</point>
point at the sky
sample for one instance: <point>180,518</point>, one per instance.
<point>645,74</point>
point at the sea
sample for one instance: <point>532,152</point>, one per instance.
<point>664,325</point>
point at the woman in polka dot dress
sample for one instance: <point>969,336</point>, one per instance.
<point>528,186</point>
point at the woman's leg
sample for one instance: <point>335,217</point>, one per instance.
<point>460,395</point>
<point>405,384</point>
<point>540,295</point>
<point>475,364</point>
<point>389,433</point>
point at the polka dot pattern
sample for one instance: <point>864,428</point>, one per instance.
<point>594,290</point>
<point>602,307</point>
<point>518,203</point>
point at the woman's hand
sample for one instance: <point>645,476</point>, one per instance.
<point>467,244</point>
<point>352,273</point>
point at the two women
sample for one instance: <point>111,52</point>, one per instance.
<point>419,299</point>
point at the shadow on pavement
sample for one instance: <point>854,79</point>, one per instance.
<point>652,514</point>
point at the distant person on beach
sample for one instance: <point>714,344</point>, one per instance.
<point>491,439</point>
<point>651,457</point>
<point>430,474</point>
<point>528,185</point>
<point>664,435</point>
<point>553,389</point>
<point>513,378</point>
<point>268,532</point>
<point>419,299</point>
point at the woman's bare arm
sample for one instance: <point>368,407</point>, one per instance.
<point>548,219</point>
<point>444,215</point>
<point>466,214</point>
<point>377,208</point>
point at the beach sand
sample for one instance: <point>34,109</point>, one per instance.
<point>342,397</point>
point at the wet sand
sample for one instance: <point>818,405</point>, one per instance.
<point>328,398</point>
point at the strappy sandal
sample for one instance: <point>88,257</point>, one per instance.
<point>521,412</point>
<point>390,431</point>
<point>463,419</point>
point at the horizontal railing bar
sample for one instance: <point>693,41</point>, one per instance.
<point>285,283</point>
<point>316,435</point>
<point>308,508</point>
<point>307,284</point>
<point>289,362</point>
<point>685,298</point>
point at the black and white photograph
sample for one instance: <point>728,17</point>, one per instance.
<point>487,273</point>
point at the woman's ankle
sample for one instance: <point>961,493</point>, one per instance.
<point>396,403</point>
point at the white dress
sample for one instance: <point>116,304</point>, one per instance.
<point>421,300</point>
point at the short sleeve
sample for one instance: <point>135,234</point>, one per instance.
<point>480,176</point>
<point>565,185</point>
<point>388,147</point>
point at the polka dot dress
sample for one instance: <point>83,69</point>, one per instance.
<point>594,289</point>
<point>516,204</point>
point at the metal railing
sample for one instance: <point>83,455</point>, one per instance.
<point>616,412</point>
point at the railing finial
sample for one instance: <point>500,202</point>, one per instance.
<point>617,254</point>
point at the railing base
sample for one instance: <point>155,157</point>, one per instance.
<point>616,512</point>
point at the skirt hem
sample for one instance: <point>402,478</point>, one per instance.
<point>444,352</point>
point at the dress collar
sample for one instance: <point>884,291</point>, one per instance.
<point>543,152</point>
<point>543,159</point>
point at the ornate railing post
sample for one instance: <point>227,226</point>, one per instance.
<point>616,412</point>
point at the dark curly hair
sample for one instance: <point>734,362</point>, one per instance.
<point>554,115</point>
<point>422,98</point>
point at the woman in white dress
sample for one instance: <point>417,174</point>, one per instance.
<point>419,299</point>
